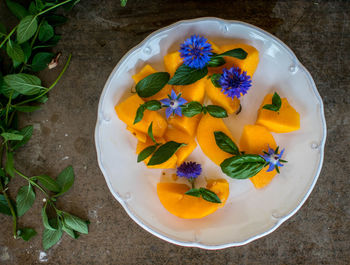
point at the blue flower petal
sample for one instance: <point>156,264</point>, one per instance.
<point>178,111</point>
<point>271,167</point>
<point>168,112</point>
<point>196,52</point>
<point>181,101</point>
<point>173,95</point>
<point>165,101</point>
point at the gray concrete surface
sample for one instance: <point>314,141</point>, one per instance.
<point>98,34</point>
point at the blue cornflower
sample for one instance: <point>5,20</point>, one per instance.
<point>273,159</point>
<point>196,52</point>
<point>189,170</point>
<point>174,103</point>
<point>235,82</point>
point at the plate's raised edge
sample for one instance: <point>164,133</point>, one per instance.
<point>281,220</point>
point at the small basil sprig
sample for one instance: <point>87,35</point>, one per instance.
<point>216,61</point>
<point>206,194</point>
<point>149,149</point>
<point>152,84</point>
<point>194,108</point>
<point>150,105</point>
<point>276,103</point>
<point>225,143</point>
<point>243,166</point>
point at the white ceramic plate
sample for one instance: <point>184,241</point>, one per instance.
<point>249,213</point>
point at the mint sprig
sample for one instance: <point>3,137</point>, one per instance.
<point>206,194</point>
<point>276,103</point>
<point>152,84</point>
<point>150,105</point>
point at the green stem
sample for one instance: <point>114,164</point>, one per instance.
<point>7,108</point>
<point>53,7</point>
<point>36,35</point>
<point>51,87</point>
<point>8,36</point>
<point>32,182</point>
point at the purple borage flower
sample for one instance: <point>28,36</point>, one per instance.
<point>174,103</point>
<point>273,159</point>
<point>196,52</point>
<point>234,82</point>
<point>189,170</point>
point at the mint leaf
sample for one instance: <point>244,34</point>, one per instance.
<point>215,80</point>
<point>139,114</point>
<point>238,53</point>
<point>150,132</point>
<point>46,32</point>
<point>276,103</point>
<point>75,223</point>
<point>27,50</point>
<point>24,84</point>
<point>209,196</point>
<point>41,60</point>
<point>191,109</point>
<point>216,111</point>
<point>45,219</point>
<point>14,51</point>
<point>153,105</point>
<point>27,134</point>
<point>185,75</point>
<point>12,136</point>
<point>146,153</point>
<point>152,84</point>
<point>164,152</point>
<point>26,233</point>
<point>242,166</point>
<point>48,183</point>
<point>193,192</point>
<point>26,28</point>
<point>65,179</point>
<point>24,199</point>
<point>70,231</point>
<point>4,207</point>
<point>18,10</point>
<point>51,237</point>
<point>225,143</point>
<point>216,61</point>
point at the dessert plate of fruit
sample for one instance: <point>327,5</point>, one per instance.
<point>210,133</point>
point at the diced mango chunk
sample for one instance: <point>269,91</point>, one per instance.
<point>215,49</point>
<point>249,64</point>
<point>173,198</point>
<point>220,99</point>
<point>206,139</point>
<point>193,92</point>
<point>176,135</point>
<point>170,163</point>
<point>146,71</point>
<point>126,111</point>
<point>254,140</point>
<point>185,124</point>
<point>172,61</point>
<point>287,119</point>
<point>139,135</point>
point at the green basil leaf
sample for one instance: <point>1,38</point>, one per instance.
<point>150,132</point>
<point>24,83</point>
<point>225,143</point>
<point>26,28</point>
<point>9,168</point>
<point>164,152</point>
<point>215,80</point>
<point>75,223</point>
<point>27,50</point>
<point>32,9</point>
<point>242,166</point>
<point>39,5</point>
<point>26,233</point>
<point>41,60</point>
<point>216,111</point>
<point>139,113</point>
<point>12,136</point>
<point>123,2</point>
<point>14,51</point>
<point>56,20</point>
<point>24,199</point>
<point>185,75</point>
<point>18,10</point>
<point>209,196</point>
<point>27,108</point>
<point>45,219</point>
<point>65,179</point>
<point>191,109</point>
<point>271,107</point>
<point>216,61</point>
<point>27,134</point>
<point>146,153</point>
<point>4,207</point>
<point>51,237</point>
<point>46,32</point>
<point>152,84</point>
<point>276,100</point>
<point>70,232</point>
<point>153,105</point>
<point>48,183</point>
<point>193,192</point>
<point>238,53</point>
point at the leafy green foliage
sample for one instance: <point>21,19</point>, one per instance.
<point>164,152</point>
<point>41,60</point>
<point>185,75</point>
<point>26,233</point>
<point>27,28</point>
<point>150,105</point>
<point>206,194</point>
<point>191,109</point>
<point>146,153</point>
<point>225,143</point>
<point>152,84</point>
<point>16,9</point>
<point>276,103</point>
<point>242,166</point>
<point>65,179</point>
<point>46,31</point>
<point>216,111</point>
<point>25,199</point>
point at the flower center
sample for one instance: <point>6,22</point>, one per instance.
<point>174,104</point>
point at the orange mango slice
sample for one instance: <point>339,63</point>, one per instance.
<point>185,124</point>
<point>206,139</point>
<point>172,61</point>
<point>220,99</point>
<point>286,120</point>
<point>173,198</point>
<point>170,163</point>
<point>139,135</point>
<point>176,135</point>
<point>146,71</point>
<point>193,92</point>
<point>126,111</point>
<point>254,140</point>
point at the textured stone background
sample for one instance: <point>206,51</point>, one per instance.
<point>98,34</point>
